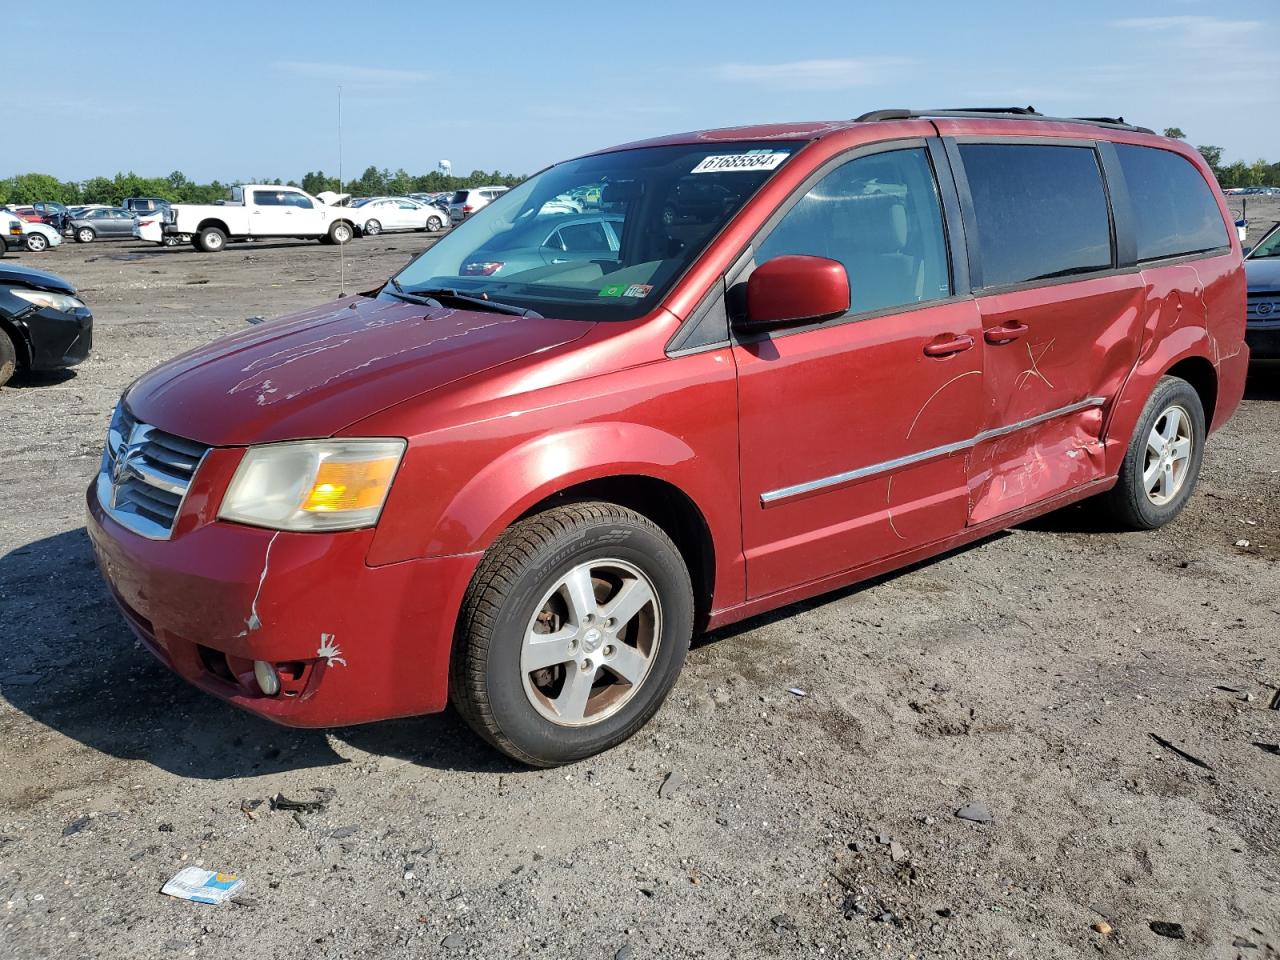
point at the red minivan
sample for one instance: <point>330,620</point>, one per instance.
<point>664,387</point>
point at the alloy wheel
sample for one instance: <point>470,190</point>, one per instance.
<point>1168,455</point>
<point>591,643</point>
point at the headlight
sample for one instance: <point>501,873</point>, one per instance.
<point>313,485</point>
<point>54,301</point>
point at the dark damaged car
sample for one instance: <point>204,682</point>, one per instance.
<point>1262,319</point>
<point>43,324</point>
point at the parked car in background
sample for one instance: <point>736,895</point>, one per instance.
<point>466,202</point>
<point>399,213</point>
<point>872,342</point>
<point>54,214</point>
<point>28,213</point>
<point>43,324</point>
<point>1262,316</point>
<point>13,232</point>
<point>263,210</point>
<point>104,223</point>
<point>42,236</point>
<point>145,204</point>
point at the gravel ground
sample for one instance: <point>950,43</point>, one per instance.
<point>1029,675</point>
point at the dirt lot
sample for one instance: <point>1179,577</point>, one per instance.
<point>1029,673</point>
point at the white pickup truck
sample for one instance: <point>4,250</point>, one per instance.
<point>261,210</point>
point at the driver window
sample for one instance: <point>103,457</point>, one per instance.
<point>881,217</point>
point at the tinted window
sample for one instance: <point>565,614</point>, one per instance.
<point>264,199</point>
<point>1174,209</point>
<point>1041,211</point>
<point>879,216</point>
<point>296,200</point>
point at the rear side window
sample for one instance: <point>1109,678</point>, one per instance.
<point>1174,210</point>
<point>1041,211</point>
<point>880,216</point>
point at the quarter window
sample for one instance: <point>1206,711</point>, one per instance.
<point>1174,210</point>
<point>1041,211</point>
<point>880,216</point>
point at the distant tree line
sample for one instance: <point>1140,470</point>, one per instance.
<point>33,187</point>
<point>1260,173</point>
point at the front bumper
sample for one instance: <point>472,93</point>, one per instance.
<point>363,643</point>
<point>58,340</point>
<point>1263,340</point>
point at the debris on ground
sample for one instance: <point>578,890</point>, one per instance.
<point>247,807</point>
<point>318,805</point>
<point>625,952</point>
<point>1164,928</point>
<point>342,833</point>
<point>977,812</point>
<point>1244,943</point>
<point>202,886</point>
<point>1102,927</point>
<point>897,851</point>
<point>1190,758</point>
<point>673,782</point>
<point>77,825</point>
<point>796,691</point>
<point>1273,748</point>
<point>453,941</point>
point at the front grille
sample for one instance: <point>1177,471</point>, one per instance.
<point>1263,308</point>
<point>145,475</point>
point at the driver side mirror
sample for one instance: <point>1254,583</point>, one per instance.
<point>795,289</point>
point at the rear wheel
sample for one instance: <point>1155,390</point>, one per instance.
<point>211,240</point>
<point>1162,463</point>
<point>434,224</point>
<point>37,242</point>
<point>572,633</point>
<point>8,357</point>
<point>85,235</point>
<point>340,233</point>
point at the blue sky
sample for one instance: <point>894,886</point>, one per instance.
<point>236,90</point>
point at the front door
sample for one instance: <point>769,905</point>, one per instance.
<point>1061,327</point>
<point>854,432</point>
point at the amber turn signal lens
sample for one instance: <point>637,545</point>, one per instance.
<point>350,486</point>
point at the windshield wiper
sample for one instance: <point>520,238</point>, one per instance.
<point>408,297</point>
<point>446,294</point>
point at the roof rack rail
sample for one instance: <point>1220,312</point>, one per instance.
<point>1021,113</point>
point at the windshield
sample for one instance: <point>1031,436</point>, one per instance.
<point>603,237</point>
<point>1268,246</point>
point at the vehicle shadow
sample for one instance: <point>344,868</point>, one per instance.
<point>69,662</point>
<point>835,596</point>
<point>1264,380</point>
<point>25,379</point>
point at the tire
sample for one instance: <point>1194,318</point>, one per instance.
<point>340,233</point>
<point>171,240</point>
<point>372,228</point>
<point>1173,408</point>
<point>211,240</point>
<point>522,584</point>
<point>85,235</point>
<point>8,358</point>
<point>37,242</point>
<point>434,224</point>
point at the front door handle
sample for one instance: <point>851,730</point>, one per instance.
<point>1005,333</point>
<point>947,344</point>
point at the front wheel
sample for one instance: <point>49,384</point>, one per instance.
<point>372,228</point>
<point>85,235</point>
<point>1162,463</point>
<point>37,242</point>
<point>572,633</point>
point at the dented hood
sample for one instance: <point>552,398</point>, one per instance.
<point>316,372</point>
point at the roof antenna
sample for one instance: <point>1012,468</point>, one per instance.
<point>342,247</point>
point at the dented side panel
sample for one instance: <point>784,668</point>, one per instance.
<point>1080,343</point>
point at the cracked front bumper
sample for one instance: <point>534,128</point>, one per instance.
<point>374,641</point>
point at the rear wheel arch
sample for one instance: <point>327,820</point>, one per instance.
<point>213,222</point>
<point>1202,376</point>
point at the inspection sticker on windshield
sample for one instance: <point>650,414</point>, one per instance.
<point>626,290</point>
<point>741,162</point>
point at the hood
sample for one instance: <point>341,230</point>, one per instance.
<point>31,277</point>
<point>1263,273</point>
<point>316,372</point>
